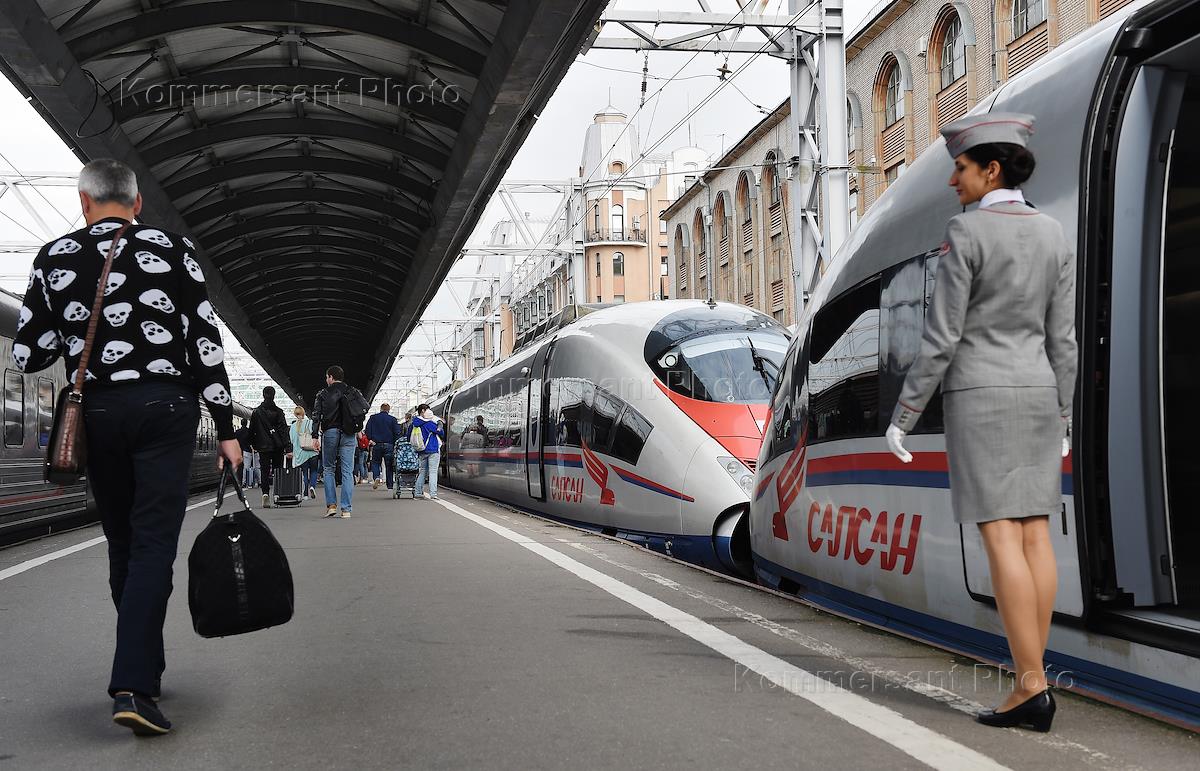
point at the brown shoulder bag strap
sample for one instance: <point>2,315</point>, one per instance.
<point>94,320</point>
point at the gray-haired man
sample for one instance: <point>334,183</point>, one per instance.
<point>156,348</point>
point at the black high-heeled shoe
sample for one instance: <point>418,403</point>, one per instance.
<point>1036,712</point>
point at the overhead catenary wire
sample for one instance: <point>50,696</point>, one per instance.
<point>771,39</point>
<point>41,195</point>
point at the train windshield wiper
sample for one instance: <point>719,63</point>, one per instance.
<point>759,363</point>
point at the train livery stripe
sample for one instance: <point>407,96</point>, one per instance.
<point>763,485</point>
<point>640,481</point>
<point>569,460</point>
<point>928,469</point>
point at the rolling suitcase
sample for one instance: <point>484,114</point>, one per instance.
<point>288,485</point>
<point>238,575</point>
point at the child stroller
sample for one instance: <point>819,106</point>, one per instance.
<point>405,465</point>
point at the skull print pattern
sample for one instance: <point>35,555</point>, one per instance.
<point>156,318</point>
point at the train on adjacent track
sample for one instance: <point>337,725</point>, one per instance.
<point>641,420</point>
<point>838,520</point>
<point>30,507</point>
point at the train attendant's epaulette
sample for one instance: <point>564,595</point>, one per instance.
<point>905,417</point>
<point>988,128</point>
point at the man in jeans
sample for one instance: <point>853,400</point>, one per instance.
<point>336,444</point>
<point>429,457</point>
<point>147,367</point>
<point>382,430</point>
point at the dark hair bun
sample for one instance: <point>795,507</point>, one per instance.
<point>1019,166</point>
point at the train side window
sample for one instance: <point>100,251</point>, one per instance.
<point>571,411</point>
<point>14,409</point>
<point>604,417</point>
<point>45,412</point>
<point>907,290</point>
<point>788,408</point>
<point>630,436</point>
<point>843,366</point>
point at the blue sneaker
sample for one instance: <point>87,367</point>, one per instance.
<point>140,715</point>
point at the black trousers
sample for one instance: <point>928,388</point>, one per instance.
<point>269,462</point>
<point>140,442</point>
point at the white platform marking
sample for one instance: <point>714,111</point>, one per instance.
<point>913,739</point>
<point>42,560</point>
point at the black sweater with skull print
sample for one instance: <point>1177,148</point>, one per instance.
<point>157,321</point>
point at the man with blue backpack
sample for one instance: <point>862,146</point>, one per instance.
<point>426,438</point>
<point>338,414</point>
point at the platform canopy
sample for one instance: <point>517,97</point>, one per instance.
<point>329,157</point>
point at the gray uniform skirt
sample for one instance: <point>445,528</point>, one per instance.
<point>1004,447</point>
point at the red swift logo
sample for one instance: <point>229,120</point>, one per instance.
<point>788,482</point>
<point>599,474</point>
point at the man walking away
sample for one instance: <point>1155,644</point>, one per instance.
<point>249,459</point>
<point>338,414</point>
<point>270,435</point>
<point>150,362</point>
<point>382,430</point>
<point>430,453</point>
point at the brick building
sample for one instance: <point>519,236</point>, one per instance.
<point>911,67</point>
<point>914,65</point>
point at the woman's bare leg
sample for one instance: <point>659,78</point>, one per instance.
<point>1039,555</point>
<point>1017,601</point>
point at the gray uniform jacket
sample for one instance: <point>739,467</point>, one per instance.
<point>1002,312</point>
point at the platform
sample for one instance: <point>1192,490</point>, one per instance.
<point>460,634</point>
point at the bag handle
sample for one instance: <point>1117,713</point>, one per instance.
<point>226,475</point>
<point>89,339</point>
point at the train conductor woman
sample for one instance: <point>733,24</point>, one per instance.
<point>1000,339</point>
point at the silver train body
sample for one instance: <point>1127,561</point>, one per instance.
<point>583,428</point>
<point>838,520</point>
<point>29,506</point>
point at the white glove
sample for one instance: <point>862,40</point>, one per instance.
<point>1066,448</point>
<point>895,441</point>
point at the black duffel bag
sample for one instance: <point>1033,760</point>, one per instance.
<point>238,576</point>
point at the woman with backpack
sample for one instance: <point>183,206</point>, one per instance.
<point>426,438</point>
<point>306,458</point>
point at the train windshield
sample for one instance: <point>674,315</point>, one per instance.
<point>738,366</point>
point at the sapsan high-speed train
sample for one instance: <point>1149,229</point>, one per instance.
<point>836,518</point>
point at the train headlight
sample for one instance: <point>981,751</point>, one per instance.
<point>737,472</point>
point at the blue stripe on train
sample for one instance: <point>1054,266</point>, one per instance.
<point>932,479</point>
<point>1124,687</point>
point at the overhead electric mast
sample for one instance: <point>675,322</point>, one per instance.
<point>811,40</point>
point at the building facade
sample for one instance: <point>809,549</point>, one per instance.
<point>912,66</point>
<point>729,227</point>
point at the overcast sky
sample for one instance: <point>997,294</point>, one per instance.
<point>677,82</point>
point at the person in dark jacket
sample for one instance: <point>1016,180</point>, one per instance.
<point>270,436</point>
<point>249,456</point>
<point>382,430</point>
<point>429,456</point>
<point>337,446</point>
<point>156,348</point>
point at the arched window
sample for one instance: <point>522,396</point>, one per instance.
<point>618,264</point>
<point>893,97</point>
<point>851,134</point>
<point>775,191</point>
<point>617,167</point>
<point>618,222</point>
<point>954,52</point>
<point>1027,14</point>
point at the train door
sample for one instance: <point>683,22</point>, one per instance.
<point>1140,368</point>
<point>537,408</point>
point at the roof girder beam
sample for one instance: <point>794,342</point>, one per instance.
<point>162,22</point>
